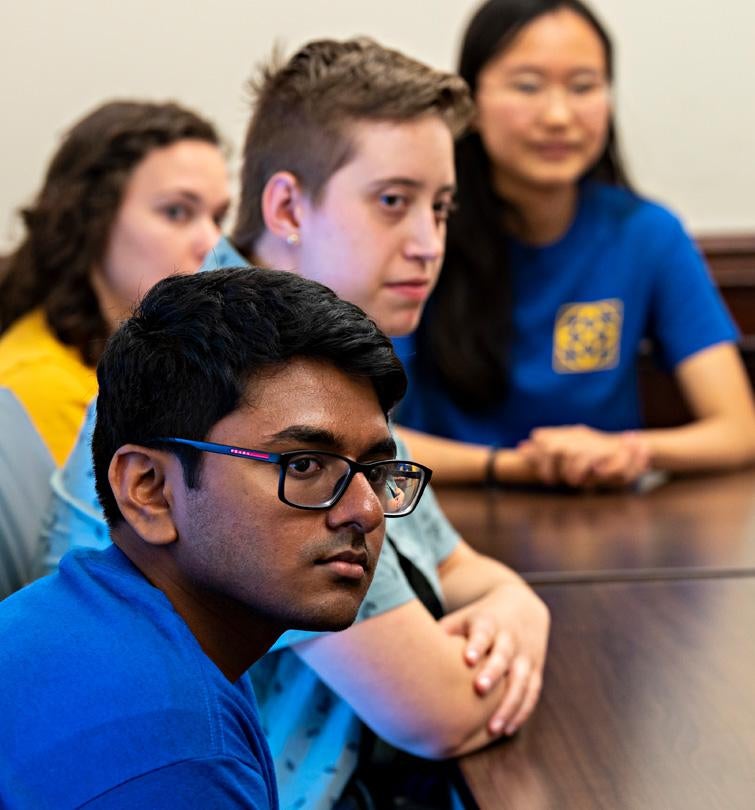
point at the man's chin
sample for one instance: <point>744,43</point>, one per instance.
<point>329,623</point>
<point>336,613</point>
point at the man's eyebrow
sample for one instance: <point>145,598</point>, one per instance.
<point>408,182</point>
<point>327,440</point>
<point>308,435</point>
<point>385,447</point>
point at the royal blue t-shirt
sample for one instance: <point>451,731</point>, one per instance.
<point>626,270</point>
<point>108,701</point>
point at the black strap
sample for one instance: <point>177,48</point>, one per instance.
<point>419,583</point>
<point>386,777</point>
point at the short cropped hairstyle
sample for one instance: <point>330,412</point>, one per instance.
<point>302,111</point>
<point>186,357</point>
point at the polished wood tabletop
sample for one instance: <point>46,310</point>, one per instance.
<point>703,526</point>
<point>649,702</point>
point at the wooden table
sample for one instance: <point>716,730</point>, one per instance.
<point>649,695</point>
<point>688,527</point>
<point>649,703</point>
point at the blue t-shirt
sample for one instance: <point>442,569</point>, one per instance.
<point>626,270</point>
<point>108,700</point>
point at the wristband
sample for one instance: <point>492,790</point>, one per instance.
<point>490,477</point>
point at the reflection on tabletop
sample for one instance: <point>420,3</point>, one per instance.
<point>703,522</point>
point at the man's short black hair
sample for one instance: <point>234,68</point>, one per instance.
<point>184,359</point>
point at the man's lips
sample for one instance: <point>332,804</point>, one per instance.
<point>351,563</point>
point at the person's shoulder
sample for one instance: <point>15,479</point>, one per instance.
<point>30,352</point>
<point>31,334</point>
<point>629,209</point>
<point>96,661</point>
<point>214,781</point>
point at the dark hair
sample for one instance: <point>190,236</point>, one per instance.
<point>69,223</point>
<point>185,358</point>
<point>303,108</point>
<point>467,325</point>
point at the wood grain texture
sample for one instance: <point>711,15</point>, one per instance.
<point>648,703</point>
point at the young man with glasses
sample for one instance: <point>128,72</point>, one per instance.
<point>244,464</point>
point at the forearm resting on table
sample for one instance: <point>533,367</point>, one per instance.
<point>704,445</point>
<point>406,678</point>
<point>455,462</point>
<point>716,388</point>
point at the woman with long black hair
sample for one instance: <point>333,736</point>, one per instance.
<point>524,366</point>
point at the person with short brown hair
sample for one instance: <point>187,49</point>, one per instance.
<point>305,109</point>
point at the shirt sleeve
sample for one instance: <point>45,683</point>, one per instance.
<point>212,782</point>
<point>688,313</point>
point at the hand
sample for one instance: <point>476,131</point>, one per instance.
<point>396,501</point>
<point>583,457</point>
<point>507,637</point>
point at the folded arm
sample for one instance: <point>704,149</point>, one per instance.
<point>416,681</point>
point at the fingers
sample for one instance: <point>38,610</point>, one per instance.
<point>577,469</point>
<point>531,696</point>
<point>583,457</point>
<point>481,635</point>
<point>630,461</point>
<point>543,462</point>
<point>496,664</point>
<point>502,720</point>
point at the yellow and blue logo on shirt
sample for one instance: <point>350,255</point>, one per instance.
<point>587,336</point>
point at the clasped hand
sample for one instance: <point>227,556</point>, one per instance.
<point>507,636</point>
<point>583,457</point>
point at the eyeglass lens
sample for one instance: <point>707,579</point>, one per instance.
<point>315,479</point>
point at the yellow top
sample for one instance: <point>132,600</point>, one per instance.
<point>49,379</point>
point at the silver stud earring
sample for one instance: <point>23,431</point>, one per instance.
<point>292,239</point>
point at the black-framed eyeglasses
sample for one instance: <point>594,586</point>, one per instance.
<point>314,479</point>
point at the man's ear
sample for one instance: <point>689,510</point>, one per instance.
<point>141,482</point>
<point>282,201</point>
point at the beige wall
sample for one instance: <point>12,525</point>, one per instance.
<point>685,98</point>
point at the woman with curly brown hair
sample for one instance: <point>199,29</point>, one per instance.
<point>135,192</point>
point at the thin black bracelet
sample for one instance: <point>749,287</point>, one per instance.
<point>490,479</point>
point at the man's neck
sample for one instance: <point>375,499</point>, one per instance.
<point>232,637</point>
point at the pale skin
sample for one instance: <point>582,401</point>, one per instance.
<point>544,109</point>
<point>173,205</point>
<point>477,674</point>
